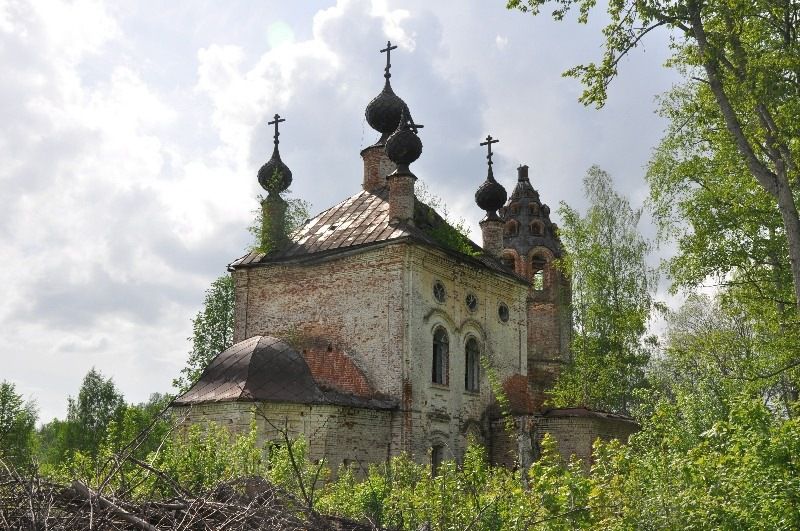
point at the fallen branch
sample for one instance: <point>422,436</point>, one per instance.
<point>87,493</point>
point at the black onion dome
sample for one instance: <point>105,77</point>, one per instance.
<point>275,176</point>
<point>385,111</point>
<point>404,146</point>
<point>490,196</point>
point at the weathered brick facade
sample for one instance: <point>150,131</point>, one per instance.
<point>341,435</point>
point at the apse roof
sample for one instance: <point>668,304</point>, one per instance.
<point>266,369</point>
<point>363,220</point>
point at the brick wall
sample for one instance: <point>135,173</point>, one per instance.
<point>376,167</point>
<point>352,304</point>
<point>335,370</point>
<point>333,432</point>
<point>576,434</point>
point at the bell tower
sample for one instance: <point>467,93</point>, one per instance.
<point>530,246</point>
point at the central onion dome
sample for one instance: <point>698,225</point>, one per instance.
<point>275,176</point>
<point>490,195</point>
<point>384,112</point>
<point>386,109</point>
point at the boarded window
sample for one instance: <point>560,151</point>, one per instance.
<point>437,456</point>
<point>472,369</point>
<point>441,356</point>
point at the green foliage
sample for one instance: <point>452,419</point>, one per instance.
<point>438,224</point>
<point>204,455</point>
<point>266,234</point>
<point>17,426</point>
<point>611,297</point>
<point>133,430</point>
<point>212,331</point>
<point>728,163</point>
<point>98,404</point>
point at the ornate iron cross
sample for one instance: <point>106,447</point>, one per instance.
<point>275,122</point>
<point>388,51</point>
<point>488,144</point>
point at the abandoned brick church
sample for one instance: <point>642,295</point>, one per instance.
<point>375,329</point>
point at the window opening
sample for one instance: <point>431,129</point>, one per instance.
<point>472,372</point>
<point>441,354</point>
<point>512,229</point>
<point>502,312</point>
<point>471,301</point>
<point>538,281</point>
<point>439,292</point>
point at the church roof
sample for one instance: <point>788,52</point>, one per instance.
<point>266,369</point>
<point>363,220</point>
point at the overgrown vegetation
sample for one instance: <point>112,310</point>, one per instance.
<point>435,219</point>
<point>681,472</point>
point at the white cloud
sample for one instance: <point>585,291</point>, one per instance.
<point>131,141</point>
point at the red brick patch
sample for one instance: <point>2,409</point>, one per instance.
<point>516,390</point>
<point>336,370</point>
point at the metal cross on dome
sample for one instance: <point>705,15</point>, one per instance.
<point>388,51</point>
<point>275,122</point>
<point>488,144</point>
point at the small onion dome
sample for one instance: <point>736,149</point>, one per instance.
<point>385,111</point>
<point>275,176</point>
<point>490,196</point>
<point>404,146</point>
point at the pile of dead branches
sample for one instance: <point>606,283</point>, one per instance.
<point>30,502</point>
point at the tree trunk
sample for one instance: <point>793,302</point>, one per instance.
<point>776,184</point>
<point>791,222</point>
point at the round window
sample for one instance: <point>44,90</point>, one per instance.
<point>438,292</point>
<point>502,312</point>
<point>472,302</point>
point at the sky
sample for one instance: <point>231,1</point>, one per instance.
<point>131,134</point>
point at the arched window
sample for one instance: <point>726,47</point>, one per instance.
<point>512,228</point>
<point>538,265</point>
<point>441,356</point>
<point>472,365</point>
<point>538,281</point>
<point>533,209</point>
<point>537,229</point>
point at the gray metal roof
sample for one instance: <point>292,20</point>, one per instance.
<point>363,220</point>
<point>266,369</point>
